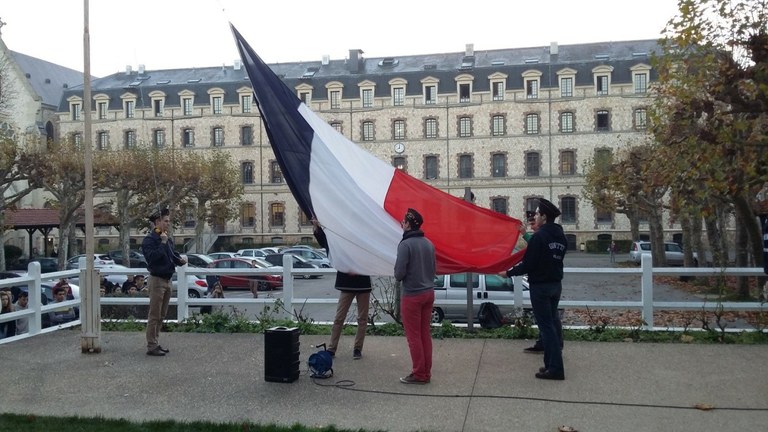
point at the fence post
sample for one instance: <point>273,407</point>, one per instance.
<point>288,284</point>
<point>35,293</point>
<point>646,289</point>
<point>182,293</point>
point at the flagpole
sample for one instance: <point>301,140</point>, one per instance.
<point>90,340</point>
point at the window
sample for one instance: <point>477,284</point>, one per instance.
<point>275,175</point>
<point>188,137</point>
<point>641,118</point>
<point>430,94</point>
<point>465,166</point>
<point>129,139</point>
<point>304,220</point>
<point>216,102</point>
<point>641,83</point>
<point>430,128</point>
<point>568,209</point>
<point>276,215</point>
<point>465,127</point>
<point>499,205</point>
<point>338,127</point>
<point>498,90</point>
<point>186,106</point>
<point>399,163</point>
<point>398,130</point>
<point>566,87</point>
<point>76,112</point>
<point>248,215</point>
<point>566,122</point>
<point>398,96</point>
<point>368,131</point>
<point>130,109</point>
<point>158,107</point>
<point>217,136</point>
<point>102,140</point>
<point>245,104</point>
<point>602,121</point>
<point>246,169</point>
<point>158,138</point>
<point>601,85</point>
<point>430,167</point>
<point>567,162</point>
<point>499,165</point>
<point>101,109</point>
<point>497,125</point>
<point>465,93</point>
<point>77,140</point>
<point>532,164</point>
<point>532,89</point>
<point>335,99</point>
<point>603,215</point>
<point>304,97</point>
<point>367,98</point>
<point>531,124</point>
<point>246,135</point>
<point>190,220</point>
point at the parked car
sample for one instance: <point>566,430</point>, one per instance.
<point>485,288</point>
<point>298,263</point>
<point>310,255</point>
<point>263,281</point>
<point>272,249</point>
<point>47,264</point>
<point>222,255</point>
<point>99,260</point>
<point>199,260</point>
<point>251,253</point>
<point>672,251</point>
<point>197,287</point>
<point>137,259</point>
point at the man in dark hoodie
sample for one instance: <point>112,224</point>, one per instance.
<point>351,287</point>
<point>543,263</point>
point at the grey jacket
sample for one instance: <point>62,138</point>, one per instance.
<point>415,264</point>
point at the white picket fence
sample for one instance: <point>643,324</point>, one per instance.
<point>645,304</point>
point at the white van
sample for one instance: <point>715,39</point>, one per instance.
<point>485,288</point>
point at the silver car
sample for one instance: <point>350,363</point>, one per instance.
<point>485,288</point>
<point>672,251</point>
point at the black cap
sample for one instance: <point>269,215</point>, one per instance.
<point>548,209</point>
<point>414,218</point>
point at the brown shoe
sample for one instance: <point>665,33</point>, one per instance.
<point>156,352</point>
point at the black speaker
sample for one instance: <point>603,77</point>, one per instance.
<point>281,354</point>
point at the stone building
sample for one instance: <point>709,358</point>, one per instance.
<point>30,93</point>
<point>512,124</point>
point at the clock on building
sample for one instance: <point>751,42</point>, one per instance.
<point>399,148</point>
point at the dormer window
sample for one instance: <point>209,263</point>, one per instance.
<point>602,76</point>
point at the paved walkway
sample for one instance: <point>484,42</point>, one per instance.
<point>478,385</point>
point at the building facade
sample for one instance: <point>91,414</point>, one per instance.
<point>513,125</point>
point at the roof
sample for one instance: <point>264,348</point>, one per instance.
<point>582,58</point>
<point>49,80</point>
<point>49,218</point>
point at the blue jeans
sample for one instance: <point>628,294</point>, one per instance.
<point>545,297</point>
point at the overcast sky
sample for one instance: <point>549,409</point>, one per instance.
<point>166,34</point>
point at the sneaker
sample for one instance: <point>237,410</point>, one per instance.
<point>536,349</point>
<point>163,349</point>
<point>156,352</point>
<point>357,354</point>
<point>410,379</point>
<point>547,375</point>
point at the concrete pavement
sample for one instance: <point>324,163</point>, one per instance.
<point>477,385</point>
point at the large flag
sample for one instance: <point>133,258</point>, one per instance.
<point>360,200</point>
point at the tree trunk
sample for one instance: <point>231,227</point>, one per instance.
<point>657,237</point>
<point>200,226</point>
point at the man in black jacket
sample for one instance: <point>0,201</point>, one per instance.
<point>543,262</point>
<point>162,260</point>
<point>352,287</point>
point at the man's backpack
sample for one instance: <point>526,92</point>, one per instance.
<point>489,316</point>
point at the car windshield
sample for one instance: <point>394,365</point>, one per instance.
<point>258,262</point>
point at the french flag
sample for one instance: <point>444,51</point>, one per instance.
<point>360,200</point>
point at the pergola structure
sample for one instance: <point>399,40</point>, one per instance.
<point>45,220</point>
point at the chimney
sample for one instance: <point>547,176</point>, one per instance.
<point>469,50</point>
<point>554,50</point>
<point>326,60</point>
<point>238,64</point>
<point>355,60</point>
<point>141,69</point>
<point>128,69</point>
